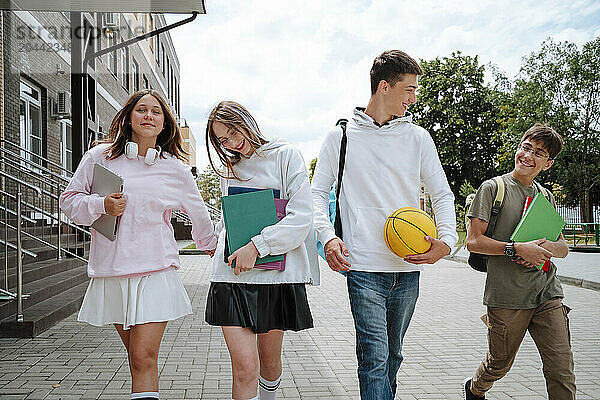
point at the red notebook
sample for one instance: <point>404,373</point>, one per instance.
<point>277,265</point>
<point>528,201</point>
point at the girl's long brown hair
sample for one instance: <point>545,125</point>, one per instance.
<point>169,139</point>
<point>234,116</point>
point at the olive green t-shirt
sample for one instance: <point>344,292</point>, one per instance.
<point>508,284</point>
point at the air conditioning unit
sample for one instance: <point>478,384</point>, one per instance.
<point>61,107</point>
<point>111,21</point>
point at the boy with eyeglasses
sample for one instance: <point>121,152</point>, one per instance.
<point>518,296</point>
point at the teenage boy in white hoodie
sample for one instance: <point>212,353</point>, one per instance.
<point>387,158</point>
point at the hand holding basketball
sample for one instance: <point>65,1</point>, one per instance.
<point>438,250</point>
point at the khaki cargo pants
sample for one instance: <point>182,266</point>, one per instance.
<point>548,325</point>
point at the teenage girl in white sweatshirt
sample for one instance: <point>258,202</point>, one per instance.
<point>254,306</point>
<point>134,284</point>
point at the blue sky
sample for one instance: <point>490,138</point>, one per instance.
<point>300,66</point>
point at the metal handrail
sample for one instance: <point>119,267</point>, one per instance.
<point>37,209</point>
<point>26,218</point>
<point>13,246</point>
<point>180,214</point>
<point>19,181</point>
<point>42,241</point>
<point>214,213</point>
<point>31,171</point>
<point>46,196</point>
<point>43,191</point>
<point>3,142</point>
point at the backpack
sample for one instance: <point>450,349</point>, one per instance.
<point>478,261</point>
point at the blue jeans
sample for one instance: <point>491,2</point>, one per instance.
<point>382,305</point>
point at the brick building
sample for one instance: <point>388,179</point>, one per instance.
<point>189,145</point>
<point>36,81</point>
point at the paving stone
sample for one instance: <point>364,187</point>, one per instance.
<point>445,343</point>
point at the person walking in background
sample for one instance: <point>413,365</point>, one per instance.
<point>519,297</point>
<point>387,157</point>
<point>134,283</point>
<point>255,306</point>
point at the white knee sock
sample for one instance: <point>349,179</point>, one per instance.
<point>142,395</point>
<point>268,389</point>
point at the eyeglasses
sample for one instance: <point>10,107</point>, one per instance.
<point>527,148</point>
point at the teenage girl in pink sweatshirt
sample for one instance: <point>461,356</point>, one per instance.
<point>134,283</point>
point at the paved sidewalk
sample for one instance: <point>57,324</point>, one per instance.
<point>444,344</point>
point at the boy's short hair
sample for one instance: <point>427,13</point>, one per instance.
<point>546,136</point>
<point>391,66</point>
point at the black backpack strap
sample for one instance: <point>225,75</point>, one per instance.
<point>337,224</point>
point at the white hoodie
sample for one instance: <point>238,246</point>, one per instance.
<point>276,165</point>
<point>383,172</point>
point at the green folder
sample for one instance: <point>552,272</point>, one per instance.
<point>245,216</point>
<point>540,221</point>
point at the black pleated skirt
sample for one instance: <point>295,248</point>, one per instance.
<point>259,307</point>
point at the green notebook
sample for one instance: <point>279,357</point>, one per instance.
<point>539,221</point>
<point>245,216</point>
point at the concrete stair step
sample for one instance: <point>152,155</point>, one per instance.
<point>43,315</point>
<point>45,288</point>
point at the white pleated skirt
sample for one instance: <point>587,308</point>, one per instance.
<point>157,297</point>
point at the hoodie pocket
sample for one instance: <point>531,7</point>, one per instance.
<point>368,244</point>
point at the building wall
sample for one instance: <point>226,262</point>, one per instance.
<point>1,78</point>
<point>189,145</point>
<point>36,47</point>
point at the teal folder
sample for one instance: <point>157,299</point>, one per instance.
<point>539,221</point>
<point>245,216</point>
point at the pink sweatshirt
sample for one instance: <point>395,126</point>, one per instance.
<point>145,240</point>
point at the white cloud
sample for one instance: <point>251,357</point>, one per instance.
<point>299,66</point>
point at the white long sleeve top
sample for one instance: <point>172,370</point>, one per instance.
<point>276,165</point>
<point>383,172</point>
<point>145,241</point>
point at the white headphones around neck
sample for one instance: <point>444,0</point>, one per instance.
<point>131,152</point>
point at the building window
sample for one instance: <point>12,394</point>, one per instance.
<point>30,119</point>
<point>177,99</point>
<point>66,147</point>
<point>111,58</point>
<point>172,88</point>
<point>162,50</point>
<point>125,68</point>
<point>168,81</point>
<point>151,29</point>
<point>157,52</point>
<point>134,75</point>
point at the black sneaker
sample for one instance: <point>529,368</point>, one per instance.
<point>466,390</point>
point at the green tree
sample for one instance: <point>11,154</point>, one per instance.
<point>465,189</point>
<point>209,185</point>
<point>461,114</point>
<point>560,85</point>
<point>313,165</point>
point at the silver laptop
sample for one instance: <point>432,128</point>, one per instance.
<point>105,182</point>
